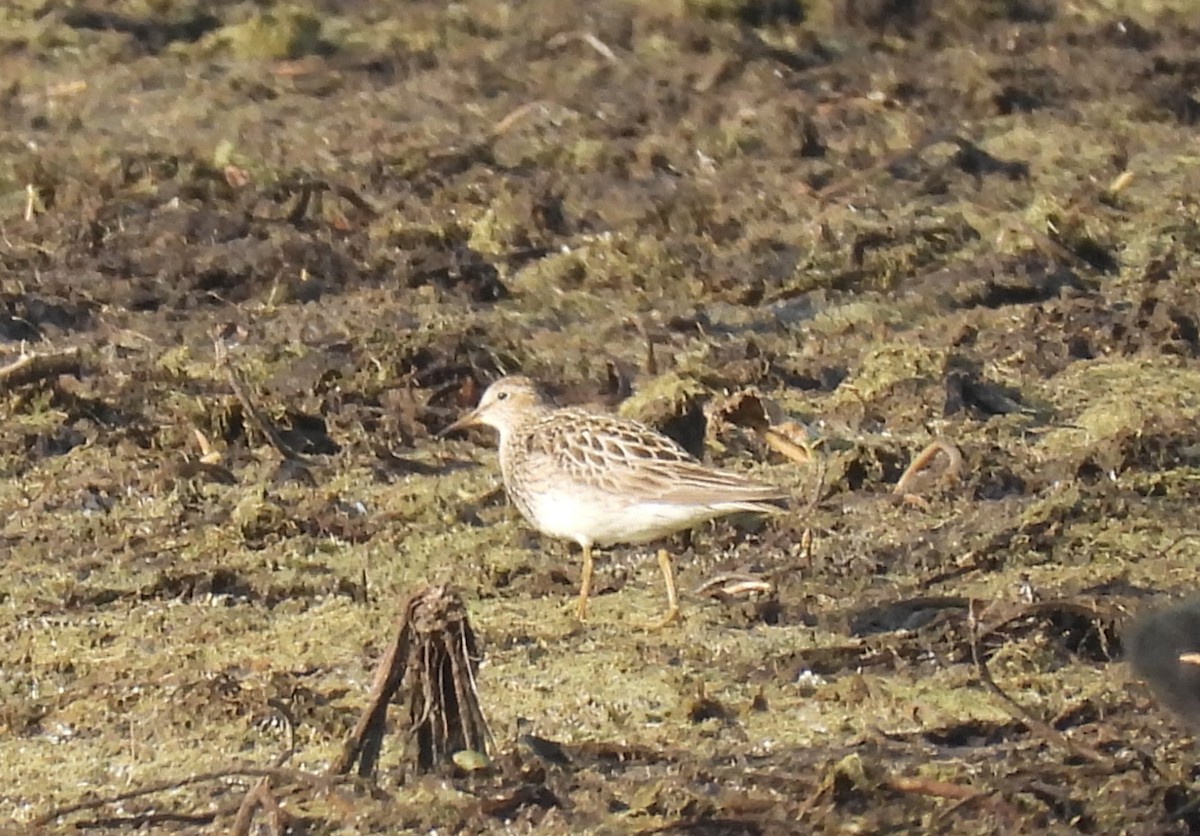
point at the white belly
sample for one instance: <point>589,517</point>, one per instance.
<point>604,522</point>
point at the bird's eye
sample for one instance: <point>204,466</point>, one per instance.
<point>500,396</point>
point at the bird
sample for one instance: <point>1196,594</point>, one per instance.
<point>600,480</point>
<point>1163,647</point>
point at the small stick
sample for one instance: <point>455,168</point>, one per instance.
<point>588,38</point>
<point>731,585</point>
<point>289,776</point>
<point>929,786</point>
<point>818,489</point>
<point>1119,182</point>
<point>780,443</point>
<point>34,367</point>
<point>515,116</point>
<point>601,47</point>
<point>957,792</point>
<point>806,546</point>
<point>924,459</point>
<point>366,739</point>
<point>245,814</point>
<point>264,425</point>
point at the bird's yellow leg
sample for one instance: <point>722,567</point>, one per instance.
<point>672,614</point>
<point>585,585</point>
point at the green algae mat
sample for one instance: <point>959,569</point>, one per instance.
<point>254,257</point>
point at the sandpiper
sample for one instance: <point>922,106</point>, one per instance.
<point>601,480</point>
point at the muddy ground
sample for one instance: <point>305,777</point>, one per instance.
<point>890,222</point>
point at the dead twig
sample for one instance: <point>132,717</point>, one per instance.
<point>33,367</point>
<point>806,546</point>
<point>961,794</point>
<point>259,796</point>
<point>513,117</point>
<point>780,438</point>
<point>282,776</point>
<point>929,786</point>
<point>910,485</point>
<point>366,738</point>
<point>818,490</point>
<point>588,38</point>
<point>728,585</point>
<point>256,416</point>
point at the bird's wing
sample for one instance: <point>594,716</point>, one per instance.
<point>628,458</point>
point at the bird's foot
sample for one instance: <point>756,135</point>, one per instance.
<point>673,615</point>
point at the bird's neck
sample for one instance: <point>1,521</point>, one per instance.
<point>515,435</point>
